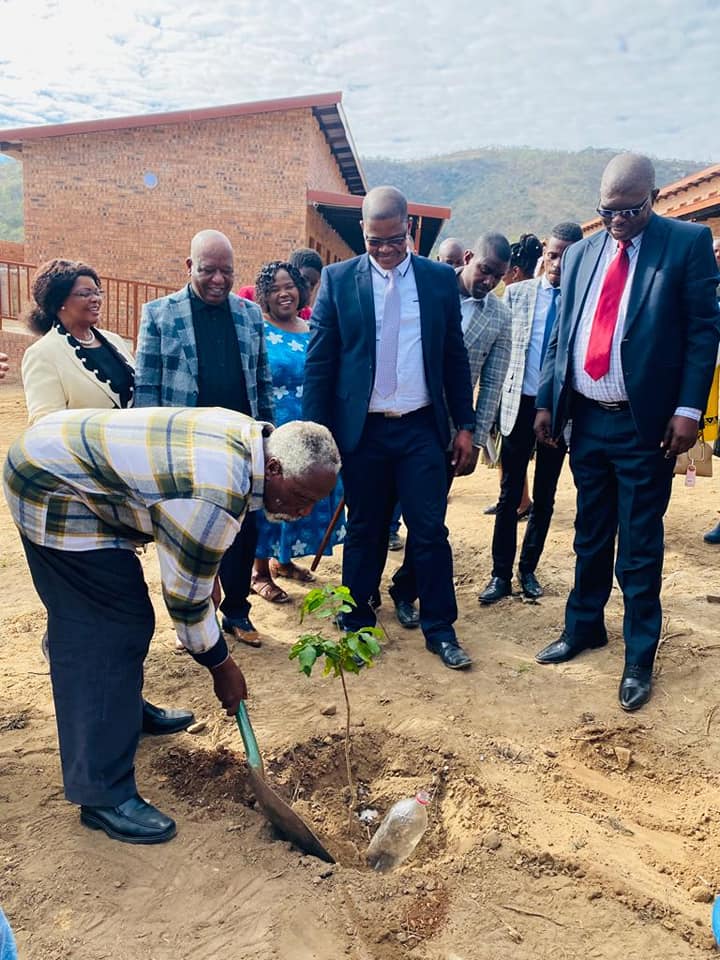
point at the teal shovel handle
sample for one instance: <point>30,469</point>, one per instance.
<point>248,736</point>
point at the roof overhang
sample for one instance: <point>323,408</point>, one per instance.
<point>326,107</point>
<point>344,213</point>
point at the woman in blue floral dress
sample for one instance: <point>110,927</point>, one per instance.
<point>281,291</point>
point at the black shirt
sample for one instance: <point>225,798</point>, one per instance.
<point>221,381</point>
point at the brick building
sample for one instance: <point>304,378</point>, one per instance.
<point>127,194</point>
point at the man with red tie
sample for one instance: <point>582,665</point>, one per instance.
<point>630,363</point>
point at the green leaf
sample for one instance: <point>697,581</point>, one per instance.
<point>306,658</point>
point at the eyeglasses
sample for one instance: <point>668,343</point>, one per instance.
<point>605,214</point>
<point>376,242</point>
<point>86,294</point>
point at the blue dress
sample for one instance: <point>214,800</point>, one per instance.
<point>287,541</point>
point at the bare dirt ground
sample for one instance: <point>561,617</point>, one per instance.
<point>560,827</point>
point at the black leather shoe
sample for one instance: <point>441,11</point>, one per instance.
<point>496,589</point>
<point>375,601</point>
<point>490,511</point>
<point>395,542</point>
<point>407,614</point>
<point>451,654</point>
<point>635,687</point>
<point>564,649</point>
<point>713,536</point>
<point>159,721</point>
<point>530,586</point>
<point>133,821</point>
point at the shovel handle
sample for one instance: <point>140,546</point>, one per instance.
<point>248,737</point>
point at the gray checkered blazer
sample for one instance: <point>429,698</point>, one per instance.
<point>166,372</point>
<point>488,342</point>
<point>520,298</point>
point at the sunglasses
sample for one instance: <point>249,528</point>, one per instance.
<point>375,242</point>
<point>605,214</point>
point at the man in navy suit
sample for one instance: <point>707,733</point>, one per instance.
<point>630,362</point>
<point>386,353</point>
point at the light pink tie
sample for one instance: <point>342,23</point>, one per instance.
<point>386,360</point>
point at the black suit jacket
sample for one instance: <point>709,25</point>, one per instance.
<point>671,330</point>
<point>340,364</point>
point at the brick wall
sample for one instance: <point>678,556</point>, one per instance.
<point>14,344</point>
<point>85,197</point>
<point>10,250</point>
<point>322,237</point>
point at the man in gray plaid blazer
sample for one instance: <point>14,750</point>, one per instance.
<point>486,326</point>
<point>534,307</point>
<point>205,347</point>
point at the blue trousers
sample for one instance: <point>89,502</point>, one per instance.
<point>623,490</point>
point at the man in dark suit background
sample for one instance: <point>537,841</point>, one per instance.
<point>387,344</point>
<point>630,362</point>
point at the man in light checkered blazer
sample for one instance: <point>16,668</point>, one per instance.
<point>534,307</point>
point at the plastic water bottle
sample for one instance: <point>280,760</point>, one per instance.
<point>399,833</point>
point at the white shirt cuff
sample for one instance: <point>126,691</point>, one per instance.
<point>689,412</point>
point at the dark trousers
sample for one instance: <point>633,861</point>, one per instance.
<point>100,621</point>
<point>623,489</point>
<point>236,570</point>
<point>515,455</point>
<point>399,458</point>
<point>404,581</point>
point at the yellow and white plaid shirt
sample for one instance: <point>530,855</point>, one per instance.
<point>183,477</point>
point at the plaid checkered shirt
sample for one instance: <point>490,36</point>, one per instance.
<point>90,479</point>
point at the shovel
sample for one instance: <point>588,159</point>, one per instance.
<point>282,816</point>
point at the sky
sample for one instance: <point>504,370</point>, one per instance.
<point>419,78</point>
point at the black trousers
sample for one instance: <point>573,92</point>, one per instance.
<point>623,490</point>
<point>404,581</point>
<point>236,570</point>
<point>399,458</point>
<point>515,455</point>
<point>100,621</point>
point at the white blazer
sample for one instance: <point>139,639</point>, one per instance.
<point>55,378</point>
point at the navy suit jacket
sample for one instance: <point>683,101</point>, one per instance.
<point>670,339</point>
<point>340,364</point>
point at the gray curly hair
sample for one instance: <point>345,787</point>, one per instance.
<point>300,445</point>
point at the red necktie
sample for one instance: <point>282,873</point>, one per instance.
<point>597,358</point>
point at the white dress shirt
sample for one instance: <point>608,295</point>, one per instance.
<point>411,392</point>
<point>467,309</point>
<point>610,388</point>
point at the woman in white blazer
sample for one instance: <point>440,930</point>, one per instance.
<point>74,365</point>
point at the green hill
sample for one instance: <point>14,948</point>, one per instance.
<point>11,203</point>
<point>513,190</point>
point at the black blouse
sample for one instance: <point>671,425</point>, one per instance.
<point>108,365</point>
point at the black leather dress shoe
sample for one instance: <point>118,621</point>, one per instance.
<point>407,614</point>
<point>451,654</point>
<point>635,687</point>
<point>395,542</point>
<point>564,649</point>
<point>713,536</point>
<point>496,589</point>
<point>159,721</point>
<point>530,586</point>
<point>133,821</point>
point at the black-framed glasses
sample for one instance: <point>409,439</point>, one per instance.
<point>376,242</point>
<point>606,214</point>
<point>86,294</point>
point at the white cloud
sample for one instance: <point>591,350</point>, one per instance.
<point>419,78</point>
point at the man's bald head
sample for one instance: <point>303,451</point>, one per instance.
<point>211,266</point>
<point>451,251</point>
<point>384,203</point>
<point>208,240</point>
<point>385,226</point>
<point>627,186</point>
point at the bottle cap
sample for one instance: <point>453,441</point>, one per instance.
<point>423,797</point>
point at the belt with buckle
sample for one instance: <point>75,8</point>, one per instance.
<point>613,405</point>
<point>392,415</point>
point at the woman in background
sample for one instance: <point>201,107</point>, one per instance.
<point>74,365</point>
<point>281,294</point>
